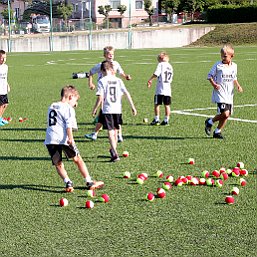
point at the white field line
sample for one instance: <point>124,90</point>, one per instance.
<point>191,112</point>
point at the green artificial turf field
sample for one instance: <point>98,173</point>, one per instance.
<point>190,221</point>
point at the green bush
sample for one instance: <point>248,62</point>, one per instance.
<point>232,13</point>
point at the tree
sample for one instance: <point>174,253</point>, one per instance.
<point>5,14</point>
<point>104,10</point>
<point>122,8</point>
<point>192,6</point>
<point>150,10</point>
<point>65,11</point>
<point>170,7</point>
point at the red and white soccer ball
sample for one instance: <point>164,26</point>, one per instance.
<point>63,202</point>
<point>89,204</point>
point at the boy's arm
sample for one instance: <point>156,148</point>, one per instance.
<point>90,81</point>
<point>134,111</point>
<point>126,76</point>
<point>149,82</point>
<point>97,104</point>
<point>214,84</point>
<point>70,140</point>
<point>239,88</point>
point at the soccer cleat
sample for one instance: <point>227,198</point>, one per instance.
<point>208,127</point>
<point>115,158</point>
<point>94,185</point>
<point>164,123</point>
<point>69,187</point>
<point>120,139</point>
<point>155,122</point>
<point>217,135</point>
<point>92,136</point>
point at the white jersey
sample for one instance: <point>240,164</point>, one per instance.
<point>225,76</point>
<point>111,89</point>
<point>97,69</point>
<point>3,79</point>
<point>60,116</point>
<point>164,73</point>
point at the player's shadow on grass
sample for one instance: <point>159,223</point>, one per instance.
<point>164,137</point>
<point>23,158</point>
<point>23,140</point>
<point>25,129</point>
<point>32,187</point>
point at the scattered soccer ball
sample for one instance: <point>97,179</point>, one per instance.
<point>145,120</point>
<point>89,204</point>
<point>191,161</point>
<point>240,165</point>
<point>235,191</point>
<point>125,154</point>
<point>159,174</point>
<point>126,174</point>
<point>161,193</point>
<point>229,199</point>
<point>63,202</point>
<point>150,197</point>
<point>104,198</point>
<point>90,193</point>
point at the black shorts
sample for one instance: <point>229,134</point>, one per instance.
<point>224,107</point>
<point>111,121</point>
<point>55,152</point>
<point>162,99</point>
<point>3,99</point>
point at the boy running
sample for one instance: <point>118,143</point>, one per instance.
<point>164,74</point>
<point>223,78</point>
<point>109,94</point>
<point>59,137</point>
<point>109,56</point>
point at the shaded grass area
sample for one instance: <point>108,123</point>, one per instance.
<point>190,221</point>
<point>237,34</point>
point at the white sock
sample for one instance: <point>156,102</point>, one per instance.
<point>166,118</point>
<point>157,118</point>
<point>210,121</point>
<point>217,131</point>
<point>66,180</point>
<point>88,179</point>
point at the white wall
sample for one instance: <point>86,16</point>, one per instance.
<point>160,38</point>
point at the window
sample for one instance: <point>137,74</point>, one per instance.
<point>114,4</point>
<point>139,4</point>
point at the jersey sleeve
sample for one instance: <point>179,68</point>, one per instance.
<point>213,71</point>
<point>119,70</point>
<point>100,88</point>
<point>158,70</point>
<point>95,69</point>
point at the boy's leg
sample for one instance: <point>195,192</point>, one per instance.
<point>156,120</point>
<point>119,133</point>
<point>2,110</point>
<point>64,175</point>
<point>112,134</point>
<point>167,115</point>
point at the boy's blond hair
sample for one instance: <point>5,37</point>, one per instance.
<point>107,49</point>
<point>163,57</point>
<point>227,48</point>
<point>69,90</point>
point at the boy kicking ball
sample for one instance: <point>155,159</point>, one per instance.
<point>59,138</point>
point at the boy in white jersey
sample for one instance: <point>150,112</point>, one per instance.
<point>59,137</point>
<point>223,78</point>
<point>164,75</point>
<point>4,87</point>
<point>109,95</point>
<point>109,56</point>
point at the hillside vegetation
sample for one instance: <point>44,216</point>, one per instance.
<point>237,34</point>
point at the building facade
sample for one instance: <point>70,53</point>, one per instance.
<point>134,13</point>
